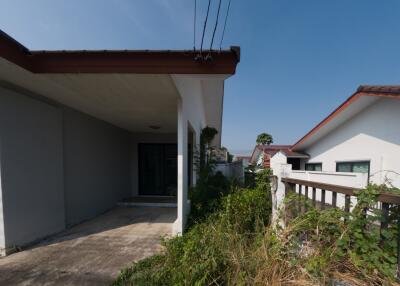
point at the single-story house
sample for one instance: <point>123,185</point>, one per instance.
<point>261,156</point>
<point>82,130</point>
<point>362,135</point>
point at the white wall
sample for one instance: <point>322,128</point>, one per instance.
<point>354,180</point>
<point>191,115</point>
<point>371,135</point>
<point>190,89</point>
<point>31,151</point>
<point>58,167</point>
<point>232,170</point>
<point>96,165</point>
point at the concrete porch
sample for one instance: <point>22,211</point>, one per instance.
<point>91,253</point>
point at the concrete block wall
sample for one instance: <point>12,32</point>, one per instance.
<point>31,152</point>
<point>96,166</point>
<point>58,167</point>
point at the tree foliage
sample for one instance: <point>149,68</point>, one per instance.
<point>206,137</point>
<point>264,139</point>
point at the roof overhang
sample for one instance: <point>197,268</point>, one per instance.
<point>119,61</point>
<point>362,98</point>
<point>133,90</point>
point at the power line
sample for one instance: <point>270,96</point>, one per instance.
<point>216,24</point>
<point>223,31</point>
<point>204,28</point>
<point>194,25</point>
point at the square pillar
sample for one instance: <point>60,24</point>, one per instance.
<point>182,202</point>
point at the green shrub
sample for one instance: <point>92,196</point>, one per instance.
<point>262,180</point>
<point>246,209</point>
<point>205,196</point>
<point>203,254</point>
<point>234,245</point>
<point>147,272</point>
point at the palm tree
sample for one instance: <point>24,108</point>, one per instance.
<point>264,139</point>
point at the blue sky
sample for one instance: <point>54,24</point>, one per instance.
<point>300,59</point>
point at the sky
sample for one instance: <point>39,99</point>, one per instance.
<point>300,59</point>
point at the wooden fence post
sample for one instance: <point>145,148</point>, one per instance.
<point>322,199</point>
<point>314,196</point>
<point>306,198</point>
<point>299,200</point>
<point>334,199</point>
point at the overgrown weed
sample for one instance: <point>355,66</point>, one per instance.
<point>233,244</point>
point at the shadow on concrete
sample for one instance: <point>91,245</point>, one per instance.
<point>93,252</point>
<point>115,218</point>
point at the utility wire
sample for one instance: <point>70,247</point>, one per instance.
<point>204,28</point>
<point>216,24</point>
<point>194,25</point>
<point>223,31</point>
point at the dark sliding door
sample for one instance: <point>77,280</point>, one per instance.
<point>295,163</point>
<point>158,169</point>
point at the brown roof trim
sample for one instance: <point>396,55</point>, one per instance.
<point>124,61</point>
<point>391,91</point>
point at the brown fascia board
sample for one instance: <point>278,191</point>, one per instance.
<point>123,61</point>
<point>14,52</point>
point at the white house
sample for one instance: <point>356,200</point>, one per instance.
<point>361,136</point>
<point>82,130</point>
<point>262,154</point>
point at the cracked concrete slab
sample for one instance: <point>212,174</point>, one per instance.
<point>91,253</point>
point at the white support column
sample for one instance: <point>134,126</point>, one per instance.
<point>280,169</point>
<point>182,208</point>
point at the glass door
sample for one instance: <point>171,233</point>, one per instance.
<point>158,169</point>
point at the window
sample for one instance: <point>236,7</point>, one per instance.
<point>353,167</point>
<point>314,167</point>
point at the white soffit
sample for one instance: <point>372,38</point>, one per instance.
<point>130,101</point>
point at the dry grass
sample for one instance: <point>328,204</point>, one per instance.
<point>233,247</point>
<point>273,261</point>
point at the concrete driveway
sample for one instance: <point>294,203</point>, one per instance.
<point>91,253</point>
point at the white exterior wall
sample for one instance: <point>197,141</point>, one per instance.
<point>96,165</point>
<point>58,167</point>
<point>371,135</point>
<point>234,170</point>
<point>31,150</point>
<point>283,170</point>
<point>191,113</point>
<point>355,180</point>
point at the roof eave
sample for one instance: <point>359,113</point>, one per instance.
<point>125,61</point>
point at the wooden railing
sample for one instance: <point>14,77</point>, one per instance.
<point>385,199</point>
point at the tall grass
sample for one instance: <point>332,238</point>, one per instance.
<point>235,245</point>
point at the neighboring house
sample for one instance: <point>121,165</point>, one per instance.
<point>362,136</point>
<point>81,130</point>
<point>261,156</point>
